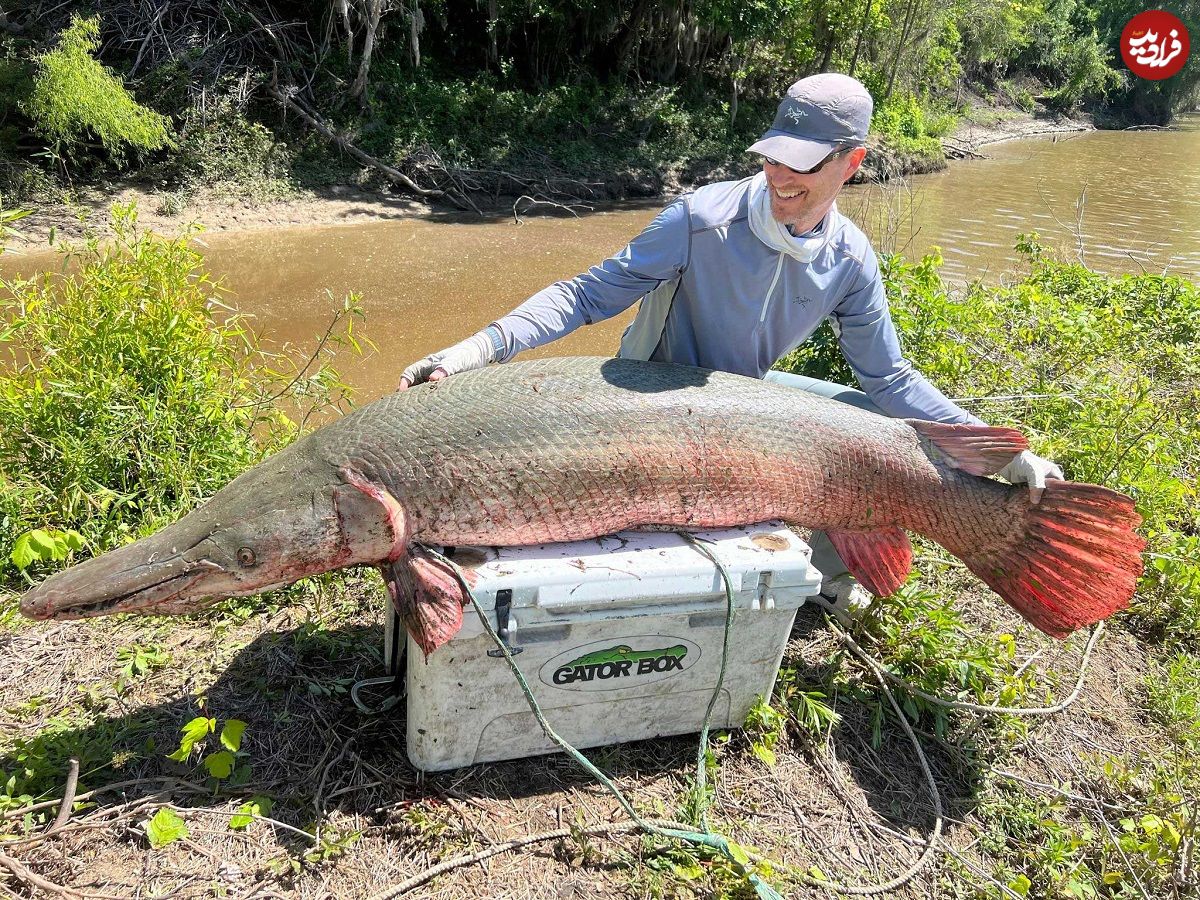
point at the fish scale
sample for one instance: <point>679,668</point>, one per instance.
<point>613,456</point>
<point>572,448</point>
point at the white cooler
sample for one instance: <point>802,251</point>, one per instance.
<point>619,639</point>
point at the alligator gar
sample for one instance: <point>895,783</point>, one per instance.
<point>571,448</point>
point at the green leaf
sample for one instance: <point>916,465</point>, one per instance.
<point>165,828</point>
<point>255,806</point>
<point>738,853</point>
<point>689,871</point>
<point>231,734</point>
<point>22,553</point>
<point>193,732</point>
<point>42,543</point>
<point>1021,885</point>
<point>219,764</point>
<point>763,752</point>
<point>74,540</point>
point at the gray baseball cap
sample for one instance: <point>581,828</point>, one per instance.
<point>819,114</point>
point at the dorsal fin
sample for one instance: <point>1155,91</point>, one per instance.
<point>976,449</point>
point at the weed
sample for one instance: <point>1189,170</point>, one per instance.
<point>1174,697</point>
<point>164,828</point>
<point>137,661</point>
<point>924,640</point>
<point>227,760</point>
<point>764,726</point>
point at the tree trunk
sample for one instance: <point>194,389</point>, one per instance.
<point>374,12</point>
<point>416,24</point>
<point>862,30</point>
<point>493,25</point>
<point>343,7</point>
<point>909,15</point>
<point>627,48</point>
<point>827,56</point>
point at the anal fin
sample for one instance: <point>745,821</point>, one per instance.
<point>427,597</point>
<point>880,559</point>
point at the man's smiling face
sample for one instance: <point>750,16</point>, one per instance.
<point>801,199</point>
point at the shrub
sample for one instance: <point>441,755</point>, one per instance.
<point>579,128</point>
<point>127,395</point>
<point>1089,77</point>
<point>74,97</point>
<point>907,127</point>
<point>226,151</point>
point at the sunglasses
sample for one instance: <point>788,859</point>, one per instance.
<point>815,169</point>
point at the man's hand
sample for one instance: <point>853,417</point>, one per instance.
<point>474,353</point>
<point>1029,468</point>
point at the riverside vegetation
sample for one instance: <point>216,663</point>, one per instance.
<point>220,751</point>
<point>557,100</point>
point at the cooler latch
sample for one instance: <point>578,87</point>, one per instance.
<point>503,609</point>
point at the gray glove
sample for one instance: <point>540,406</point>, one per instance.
<point>1029,468</point>
<point>475,352</point>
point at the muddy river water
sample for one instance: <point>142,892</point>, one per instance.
<point>1129,201</point>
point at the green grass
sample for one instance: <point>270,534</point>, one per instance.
<point>1173,690</point>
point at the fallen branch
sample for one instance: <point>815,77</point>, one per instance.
<point>535,202</point>
<point>394,175</point>
<point>68,800</point>
<point>957,151</point>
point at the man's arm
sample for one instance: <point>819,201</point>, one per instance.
<point>660,252</point>
<point>867,337</point>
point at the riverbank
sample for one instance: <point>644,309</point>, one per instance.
<point>73,218</point>
<point>85,213</point>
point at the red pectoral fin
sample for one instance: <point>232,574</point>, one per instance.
<point>880,560</point>
<point>427,597</point>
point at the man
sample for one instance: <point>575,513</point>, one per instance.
<point>737,274</point>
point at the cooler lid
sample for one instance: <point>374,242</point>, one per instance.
<point>639,566</point>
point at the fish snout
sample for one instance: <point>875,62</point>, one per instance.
<point>128,579</point>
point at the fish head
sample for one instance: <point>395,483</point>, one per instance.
<point>241,542</point>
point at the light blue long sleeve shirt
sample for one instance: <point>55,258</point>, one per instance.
<point>736,305</point>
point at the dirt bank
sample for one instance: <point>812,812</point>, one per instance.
<point>348,204</point>
<point>991,126</point>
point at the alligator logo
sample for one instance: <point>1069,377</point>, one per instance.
<point>617,666</point>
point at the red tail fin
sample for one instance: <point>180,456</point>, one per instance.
<point>1078,561</point>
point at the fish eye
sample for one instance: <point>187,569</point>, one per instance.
<point>245,556</point>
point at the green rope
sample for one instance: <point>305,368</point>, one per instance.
<point>704,837</point>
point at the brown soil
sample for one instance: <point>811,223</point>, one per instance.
<point>338,205</point>
<point>859,810</point>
